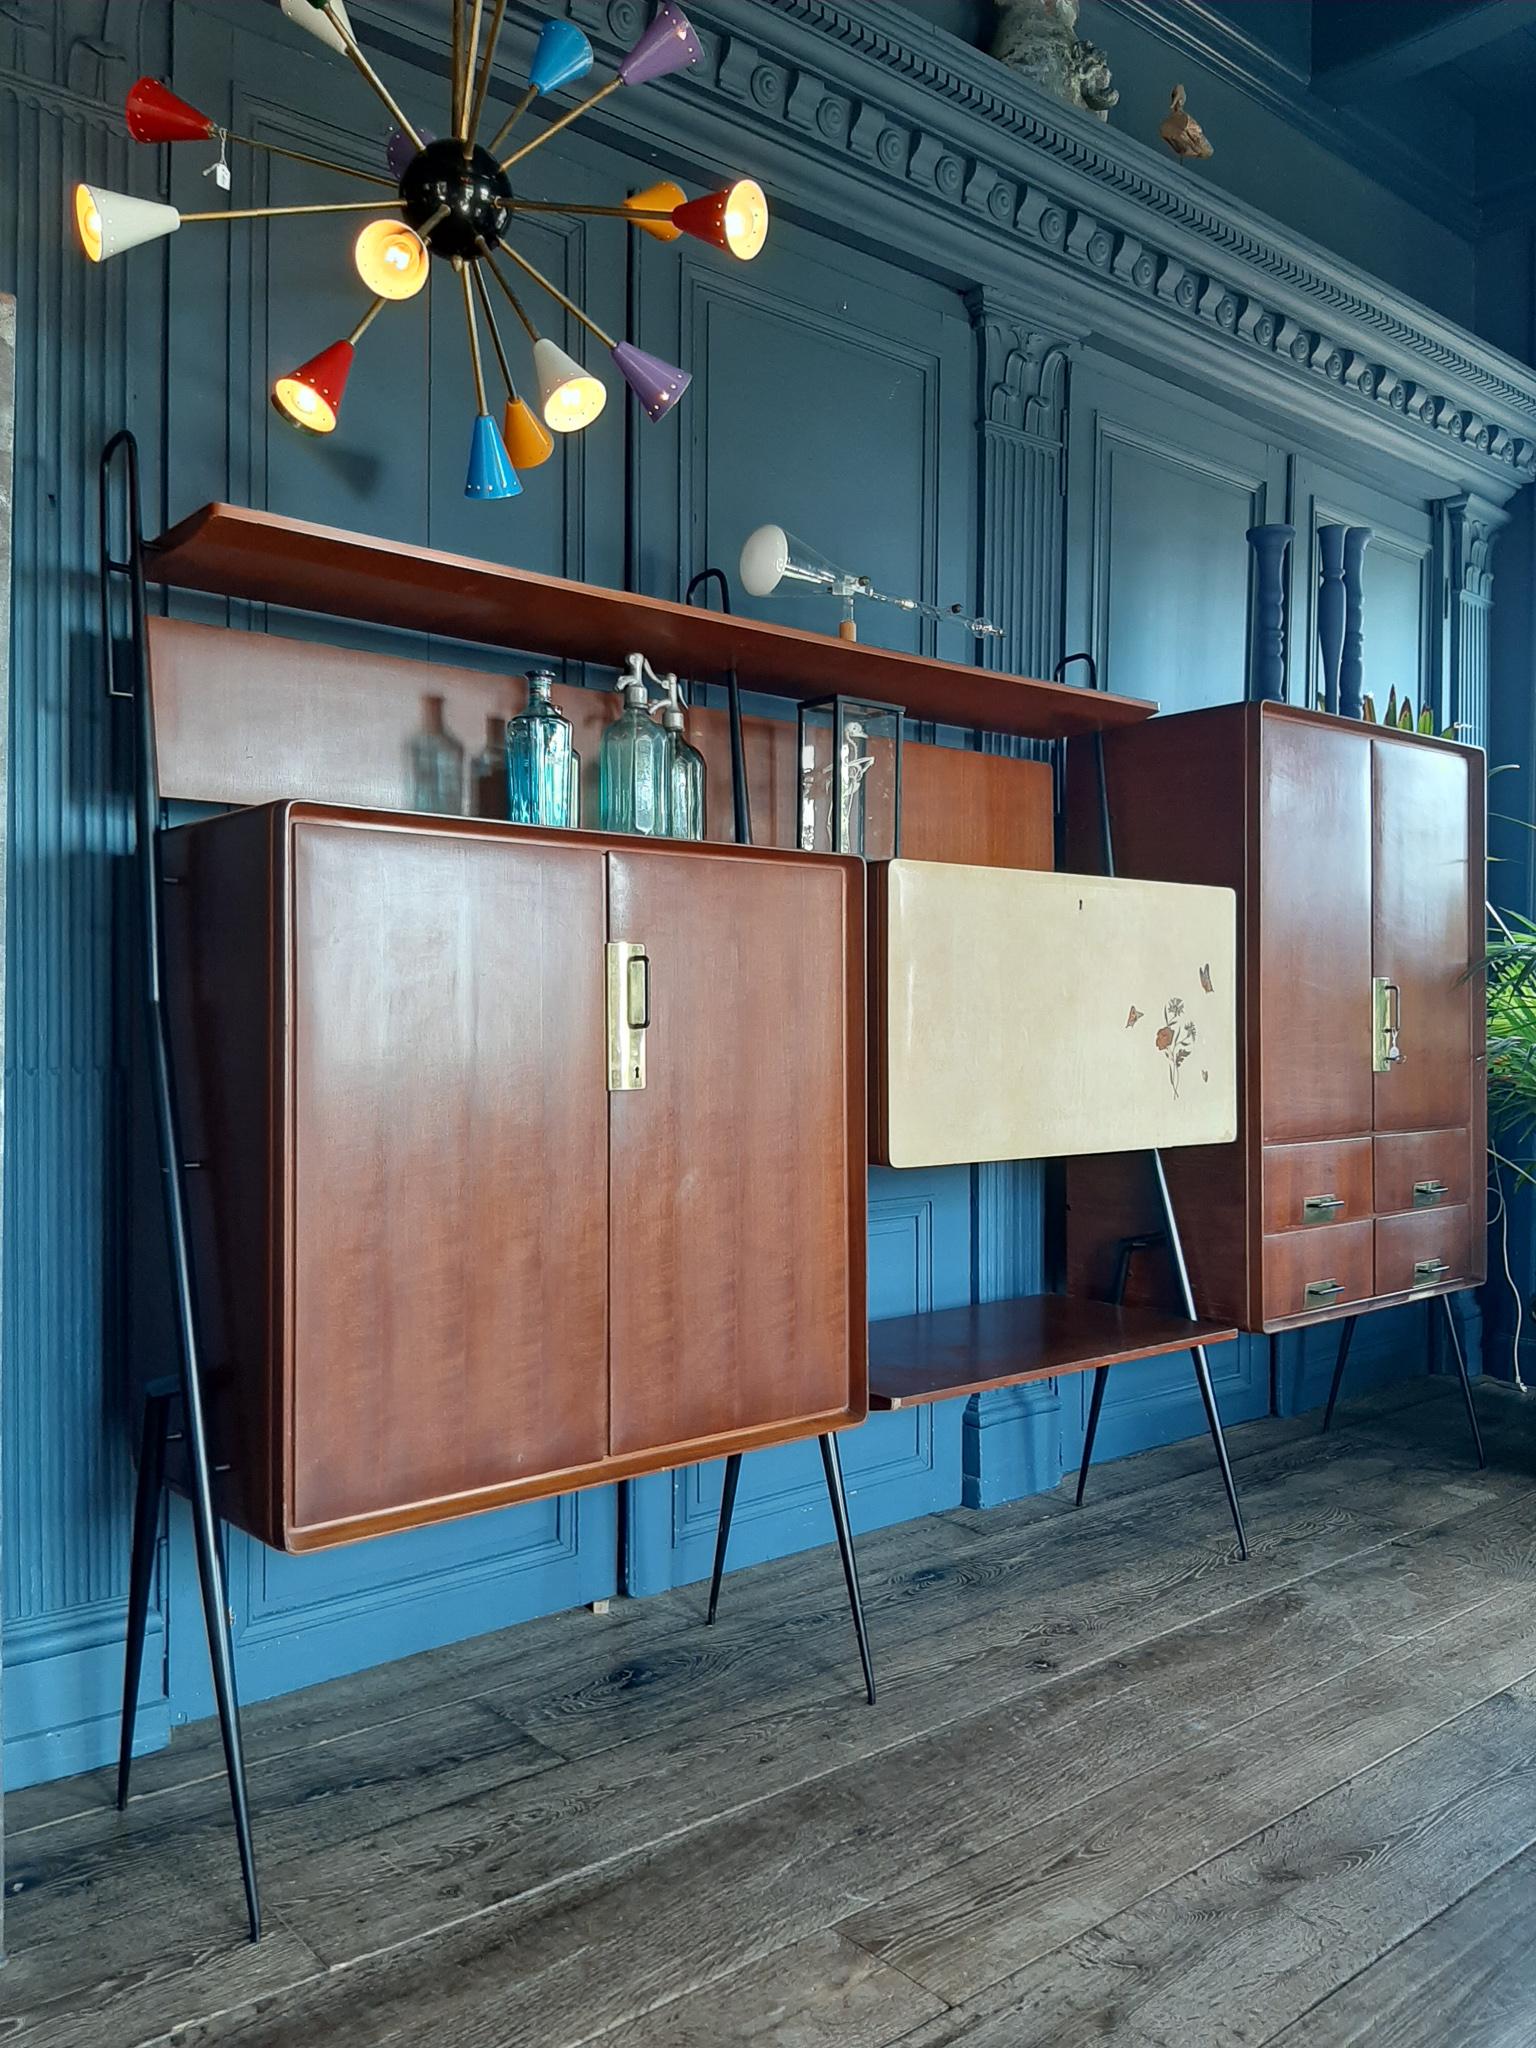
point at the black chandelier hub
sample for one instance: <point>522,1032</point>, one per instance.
<point>474,189</point>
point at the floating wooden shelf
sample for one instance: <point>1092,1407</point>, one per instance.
<point>952,1351</point>
<point>233,552</point>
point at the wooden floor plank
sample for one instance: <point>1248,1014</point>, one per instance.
<point>435,1867</point>
<point>1467,1977</point>
<point>1239,1949</point>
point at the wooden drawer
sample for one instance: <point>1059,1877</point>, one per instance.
<point>1334,1178</point>
<point>1406,1244</point>
<point>1423,1170</point>
<point>1298,1259</point>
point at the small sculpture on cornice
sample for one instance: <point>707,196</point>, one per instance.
<point>1182,132</point>
<point>1039,40</point>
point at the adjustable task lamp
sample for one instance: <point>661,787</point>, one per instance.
<point>451,198</point>
<point>770,556</point>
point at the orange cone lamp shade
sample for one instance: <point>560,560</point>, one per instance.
<point>735,220</point>
<point>155,114</point>
<point>529,441</point>
<point>663,198</point>
<point>310,397</point>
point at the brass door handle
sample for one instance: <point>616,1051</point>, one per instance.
<point>1426,1270</point>
<point>1319,1208</point>
<point>1386,1023</point>
<point>629,1012</point>
<point>1321,1292</point>
<point>1427,1192</point>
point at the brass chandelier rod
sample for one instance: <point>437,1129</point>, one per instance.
<point>555,293</point>
<point>456,66</point>
<point>471,51</point>
<point>349,44</point>
<point>530,94</point>
<point>279,212</point>
<point>463,269</point>
<point>484,297</point>
<point>483,87</point>
<point>512,299</point>
<point>600,212</point>
<point>553,128</point>
<point>297,156</point>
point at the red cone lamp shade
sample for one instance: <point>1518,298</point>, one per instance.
<point>735,220</point>
<point>156,115</point>
<point>311,396</point>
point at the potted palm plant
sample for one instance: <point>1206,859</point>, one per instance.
<point>1510,970</point>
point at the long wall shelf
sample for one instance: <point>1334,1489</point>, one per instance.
<point>232,552</point>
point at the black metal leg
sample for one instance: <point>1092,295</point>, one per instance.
<point>1125,1251</point>
<point>723,1533</point>
<point>1345,1335</point>
<point>833,1466</point>
<point>1466,1384</point>
<point>1213,1418</point>
<point>147,1503</point>
<point>1100,1381</point>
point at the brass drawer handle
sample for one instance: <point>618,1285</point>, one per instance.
<point>1427,1192</point>
<point>1428,1269</point>
<point>1386,1022</point>
<point>1321,1292</point>
<point>1319,1208</point>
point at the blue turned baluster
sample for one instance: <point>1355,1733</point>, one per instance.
<point>1330,613</point>
<point>1269,544</point>
<point>1352,666</point>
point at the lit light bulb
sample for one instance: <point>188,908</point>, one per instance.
<point>391,259</point>
<point>575,404</point>
<point>746,219</point>
<point>88,222</point>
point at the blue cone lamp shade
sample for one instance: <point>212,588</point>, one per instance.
<point>491,475</point>
<point>656,384</point>
<point>668,45</point>
<point>561,54</point>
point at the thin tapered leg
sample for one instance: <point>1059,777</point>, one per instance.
<point>832,1464</point>
<point>1125,1252</point>
<point>1466,1384</point>
<point>723,1533</point>
<point>146,1533</point>
<point>1100,1382</point>
<point>1213,1418</point>
<point>1339,1364</point>
<point>210,1572</point>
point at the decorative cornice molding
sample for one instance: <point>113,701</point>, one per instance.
<point>959,163</point>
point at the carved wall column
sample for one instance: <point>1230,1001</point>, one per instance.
<point>1471,528</point>
<point>1012,1438</point>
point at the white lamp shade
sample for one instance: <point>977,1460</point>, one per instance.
<point>317,20</point>
<point>110,222</point>
<point>570,397</point>
<point>764,558</point>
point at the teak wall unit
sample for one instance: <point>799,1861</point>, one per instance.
<point>1357,853</point>
<point>444,1262</point>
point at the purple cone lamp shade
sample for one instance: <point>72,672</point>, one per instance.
<point>668,45</point>
<point>400,151</point>
<point>561,54</point>
<point>656,384</point>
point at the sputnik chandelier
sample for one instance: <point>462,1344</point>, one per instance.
<point>452,198</point>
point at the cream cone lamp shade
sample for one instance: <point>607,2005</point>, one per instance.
<point>570,397</point>
<point>317,20</point>
<point>110,222</point>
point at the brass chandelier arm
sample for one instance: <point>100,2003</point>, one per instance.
<point>490,320</point>
<point>297,156</point>
<point>512,299</point>
<point>349,44</point>
<point>483,86</point>
<point>282,212</point>
<point>636,213</point>
<point>471,51</point>
<point>456,66</point>
<point>474,333</point>
<point>367,321</point>
<point>529,96</point>
<point>555,293</point>
<point>564,121</point>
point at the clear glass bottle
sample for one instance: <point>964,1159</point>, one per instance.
<point>685,779</point>
<point>633,769</point>
<point>539,758</point>
<point>488,771</point>
<point>437,764</point>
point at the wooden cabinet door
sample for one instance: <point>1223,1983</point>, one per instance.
<point>448,1119</point>
<point>737,1174</point>
<point>1314,966</point>
<point>1422,933</point>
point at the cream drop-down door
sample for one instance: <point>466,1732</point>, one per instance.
<point>1028,1015</point>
